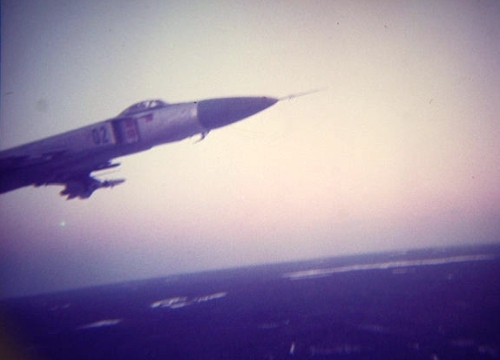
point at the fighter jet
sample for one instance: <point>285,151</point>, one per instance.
<point>68,159</point>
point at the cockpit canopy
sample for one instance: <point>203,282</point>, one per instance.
<point>144,106</point>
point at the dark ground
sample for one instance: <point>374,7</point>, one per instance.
<point>425,304</point>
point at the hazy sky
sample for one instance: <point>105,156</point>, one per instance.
<point>401,151</point>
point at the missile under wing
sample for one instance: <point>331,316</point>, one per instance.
<point>68,159</point>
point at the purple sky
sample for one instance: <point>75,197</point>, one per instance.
<point>401,151</point>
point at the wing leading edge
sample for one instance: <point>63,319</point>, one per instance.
<point>55,169</point>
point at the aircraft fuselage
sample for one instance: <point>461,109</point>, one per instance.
<point>70,157</point>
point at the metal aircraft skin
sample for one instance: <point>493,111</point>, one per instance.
<point>69,159</point>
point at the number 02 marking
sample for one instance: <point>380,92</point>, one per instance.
<point>100,135</point>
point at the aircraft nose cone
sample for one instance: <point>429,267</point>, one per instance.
<point>215,113</point>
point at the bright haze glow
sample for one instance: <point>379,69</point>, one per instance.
<point>401,151</point>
